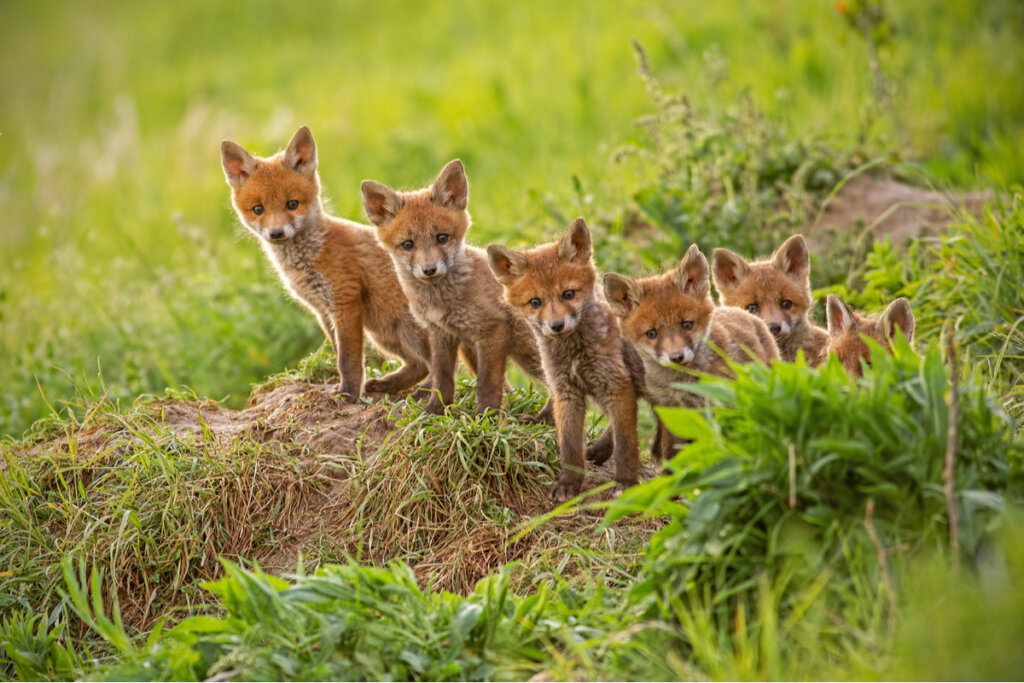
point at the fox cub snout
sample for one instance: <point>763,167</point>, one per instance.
<point>553,287</point>
<point>845,328</point>
<point>451,289</point>
<point>680,333</point>
<point>777,290</point>
<point>332,266</point>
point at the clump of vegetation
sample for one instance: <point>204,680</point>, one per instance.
<point>968,282</point>
<point>799,473</point>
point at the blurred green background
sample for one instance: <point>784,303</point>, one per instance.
<point>122,265</point>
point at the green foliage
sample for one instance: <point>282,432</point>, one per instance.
<point>779,477</point>
<point>733,173</point>
<point>967,281</point>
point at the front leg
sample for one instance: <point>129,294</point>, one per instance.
<point>443,356</point>
<point>622,415</point>
<point>328,327</point>
<point>570,415</point>
<point>490,378</point>
<point>348,330</point>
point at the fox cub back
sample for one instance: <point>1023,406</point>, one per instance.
<point>680,333</point>
<point>450,287</point>
<point>332,266</point>
<point>777,290</point>
<point>553,288</point>
<point>845,328</point>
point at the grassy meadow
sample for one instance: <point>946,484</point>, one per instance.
<point>813,528</point>
<point>123,265</point>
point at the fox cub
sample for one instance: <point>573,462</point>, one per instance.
<point>672,321</point>
<point>332,266</point>
<point>553,286</point>
<point>845,328</point>
<point>450,288</point>
<point>778,291</point>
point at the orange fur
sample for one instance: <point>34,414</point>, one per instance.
<point>332,266</point>
<point>553,287</point>
<point>450,288</point>
<point>847,330</point>
<point>679,332</point>
<point>777,290</point>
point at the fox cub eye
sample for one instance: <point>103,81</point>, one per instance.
<point>786,304</point>
<point>651,333</point>
<point>292,204</point>
<point>407,245</point>
<point>258,209</point>
<point>442,238</point>
<point>568,295</point>
<point>753,308</point>
<point>687,324</point>
<point>534,302</point>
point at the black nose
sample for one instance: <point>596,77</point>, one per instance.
<point>430,271</point>
<point>557,326</point>
<point>775,328</point>
<point>277,233</point>
<point>677,357</point>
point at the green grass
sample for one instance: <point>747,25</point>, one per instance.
<point>121,255</point>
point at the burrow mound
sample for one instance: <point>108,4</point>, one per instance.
<point>162,490</point>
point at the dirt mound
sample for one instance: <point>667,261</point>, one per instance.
<point>901,211</point>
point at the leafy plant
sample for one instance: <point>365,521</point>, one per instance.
<point>798,471</point>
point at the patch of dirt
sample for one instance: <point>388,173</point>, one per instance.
<point>908,211</point>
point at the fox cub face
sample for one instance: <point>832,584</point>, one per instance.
<point>550,285</point>
<point>424,230</point>
<point>845,328</point>
<point>666,317</point>
<point>778,290</point>
<point>275,198</point>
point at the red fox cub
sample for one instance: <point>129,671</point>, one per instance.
<point>332,266</point>
<point>450,288</point>
<point>678,331</point>
<point>778,291</point>
<point>553,287</point>
<point>846,327</point>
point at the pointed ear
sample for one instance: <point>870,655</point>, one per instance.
<point>691,275</point>
<point>839,316</point>
<point>238,164</point>
<point>897,315</point>
<point>791,258</point>
<point>729,269</point>
<point>506,264</point>
<point>380,202</point>
<point>451,188</point>
<point>575,245</point>
<point>300,154</point>
<point>623,294</point>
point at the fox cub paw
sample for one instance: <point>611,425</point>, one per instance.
<point>602,449</point>
<point>545,416</point>
<point>567,486</point>
<point>434,406</point>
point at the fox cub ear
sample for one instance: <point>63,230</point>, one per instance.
<point>691,275</point>
<point>507,265</point>
<point>791,258</point>
<point>451,188</point>
<point>300,154</point>
<point>575,245</point>
<point>622,293</point>
<point>728,268</point>
<point>380,202</point>
<point>238,164</point>
<point>838,315</point>
<point>897,315</point>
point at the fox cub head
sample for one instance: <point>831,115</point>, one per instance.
<point>275,198</point>
<point>777,290</point>
<point>845,328</point>
<point>666,316</point>
<point>423,230</point>
<point>551,285</point>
